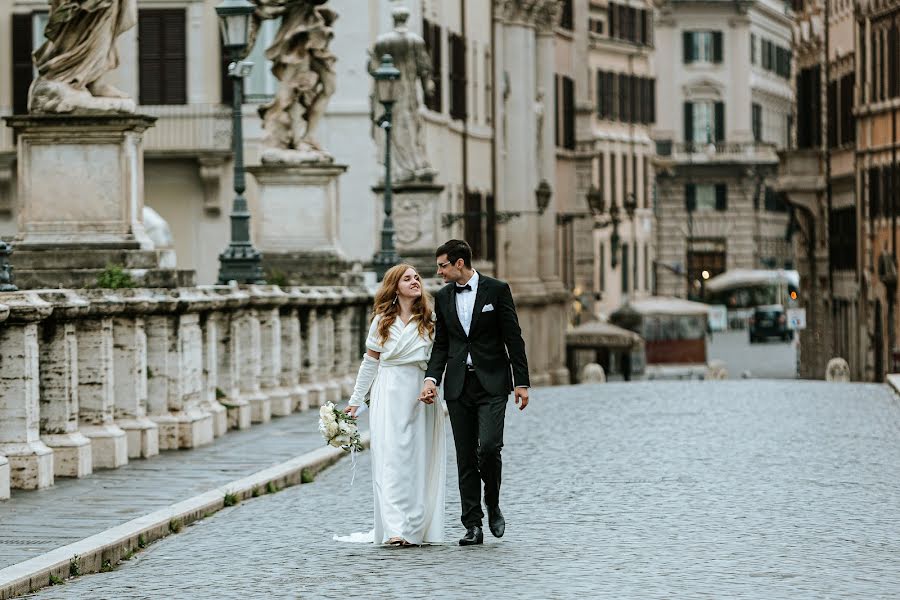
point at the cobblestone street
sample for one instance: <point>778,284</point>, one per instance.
<point>644,490</point>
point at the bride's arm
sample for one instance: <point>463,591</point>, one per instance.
<point>368,369</point>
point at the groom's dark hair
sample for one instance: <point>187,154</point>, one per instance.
<point>455,250</point>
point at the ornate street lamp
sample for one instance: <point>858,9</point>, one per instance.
<point>240,261</point>
<point>387,90</point>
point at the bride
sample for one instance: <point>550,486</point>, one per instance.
<point>408,446</point>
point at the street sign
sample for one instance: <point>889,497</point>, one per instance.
<point>796,318</point>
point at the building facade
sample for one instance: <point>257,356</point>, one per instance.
<point>724,108</point>
<point>604,94</point>
<point>842,181</point>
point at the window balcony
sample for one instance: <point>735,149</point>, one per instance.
<point>671,153</point>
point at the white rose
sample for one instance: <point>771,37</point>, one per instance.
<point>326,411</point>
<point>332,429</point>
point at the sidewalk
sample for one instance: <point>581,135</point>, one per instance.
<point>33,523</point>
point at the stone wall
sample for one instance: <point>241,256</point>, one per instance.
<point>90,379</point>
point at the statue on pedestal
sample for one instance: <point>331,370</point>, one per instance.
<point>409,160</point>
<point>80,48</point>
<point>304,67</point>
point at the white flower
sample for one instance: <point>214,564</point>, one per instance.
<point>326,410</point>
<point>332,429</point>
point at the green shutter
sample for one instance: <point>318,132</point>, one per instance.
<point>688,43</point>
<point>721,197</point>
<point>688,122</point>
<point>717,46</point>
<point>690,197</point>
<point>720,122</point>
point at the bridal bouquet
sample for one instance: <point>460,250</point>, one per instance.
<point>339,429</point>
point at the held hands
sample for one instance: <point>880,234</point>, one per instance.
<point>522,397</point>
<point>429,392</point>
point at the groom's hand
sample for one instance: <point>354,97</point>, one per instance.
<point>522,397</point>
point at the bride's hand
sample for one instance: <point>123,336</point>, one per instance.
<point>351,410</point>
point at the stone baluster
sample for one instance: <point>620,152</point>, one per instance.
<point>211,323</point>
<point>59,385</point>
<point>96,381</point>
<point>291,352</point>
<point>327,347</point>
<point>195,423</point>
<point>130,375</point>
<point>267,300</point>
<point>161,327</point>
<point>249,337</point>
<point>4,462</point>
<point>310,373</point>
<point>30,461</point>
<point>230,355</point>
<point>345,355</point>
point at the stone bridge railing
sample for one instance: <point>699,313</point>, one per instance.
<point>92,378</point>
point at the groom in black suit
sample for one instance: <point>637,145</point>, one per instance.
<point>479,342</point>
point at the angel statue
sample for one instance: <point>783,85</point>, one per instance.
<point>304,67</point>
<point>80,48</point>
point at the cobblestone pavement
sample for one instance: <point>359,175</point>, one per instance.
<point>771,359</point>
<point>756,489</point>
<point>35,522</point>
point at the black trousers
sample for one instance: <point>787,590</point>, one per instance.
<point>477,420</point>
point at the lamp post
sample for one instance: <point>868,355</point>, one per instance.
<point>387,83</point>
<point>240,261</point>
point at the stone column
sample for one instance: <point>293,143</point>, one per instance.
<point>96,381</point>
<point>4,478</point>
<point>291,353</point>
<point>345,356</point>
<point>130,375</point>
<point>161,330</point>
<point>59,386</point>
<point>30,461</point>
<point>267,300</point>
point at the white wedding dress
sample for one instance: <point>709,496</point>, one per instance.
<point>409,452</point>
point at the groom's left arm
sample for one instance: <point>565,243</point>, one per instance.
<point>512,336</point>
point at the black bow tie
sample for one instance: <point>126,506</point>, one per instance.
<point>463,288</point>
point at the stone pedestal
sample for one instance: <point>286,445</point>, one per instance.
<point>30,460</point>
<point>297,229</point>
<point>417,222</point>
<point>81,196</point>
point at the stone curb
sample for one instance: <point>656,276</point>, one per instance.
<point>91,554</point>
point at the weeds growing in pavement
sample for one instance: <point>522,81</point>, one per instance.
<point>175,525</point>
<point>230,499</point>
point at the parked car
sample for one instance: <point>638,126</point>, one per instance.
<point>768,322</point>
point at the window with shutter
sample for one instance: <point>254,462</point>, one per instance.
<point>601,95</point>
<point>653,101</point>
<point>756,121</point>
<point>567,16</point>
<point>717,46</point>
<point>690,197</point>
<point>687,40</point>
<point>457,76</point>
<point>688,122</point>
<point>22,66</point>
<point>721,197</point>
<point>432,33</point>
<point>472,223</point>
<point>568,113</point>
<point>162,60</point>
<point>832,110</point>
<point>490,234</point>
<point>875,207</point>
<point>720,122</point>
<point>557,126</point>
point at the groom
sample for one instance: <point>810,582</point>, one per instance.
<point>479,342</point>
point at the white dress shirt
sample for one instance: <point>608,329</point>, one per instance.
<point>465,306</point>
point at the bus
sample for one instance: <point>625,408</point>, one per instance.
<point>740,291</point>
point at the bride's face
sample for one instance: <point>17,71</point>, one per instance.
<point>409,286</point>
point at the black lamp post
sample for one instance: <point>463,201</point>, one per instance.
<point>240,261</point>
<point>387,89</point>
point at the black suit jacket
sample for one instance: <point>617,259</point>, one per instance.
<point>494,341</point>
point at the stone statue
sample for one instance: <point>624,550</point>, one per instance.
<point>80,48</point>
<point>304,67</point>
<point>837,370</point>
<point>408,158</point>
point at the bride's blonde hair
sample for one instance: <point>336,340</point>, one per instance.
<point>388,307</point>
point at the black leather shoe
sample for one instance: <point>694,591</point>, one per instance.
<point>473,536</point>
<point>496,521</point>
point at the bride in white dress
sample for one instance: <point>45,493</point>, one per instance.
<point>408,443</point>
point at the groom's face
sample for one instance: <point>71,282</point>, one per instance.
<point>448,271</point>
